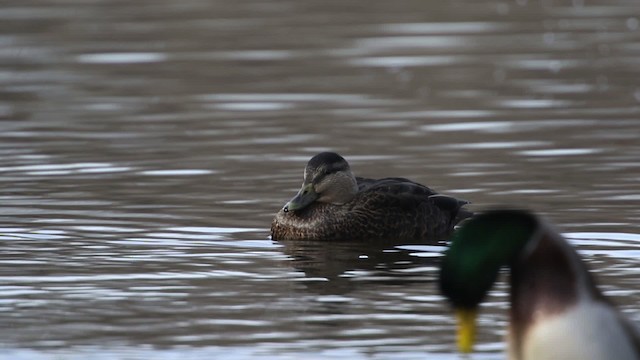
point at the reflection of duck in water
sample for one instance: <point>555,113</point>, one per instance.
<point>335,205</point>
<point>557,312</point>
<point>343,266</point>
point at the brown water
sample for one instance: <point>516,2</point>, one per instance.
<point>146,145</point>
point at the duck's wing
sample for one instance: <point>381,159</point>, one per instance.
<point>394,186</point>
<point>406,193</point>
<point>402,208</point>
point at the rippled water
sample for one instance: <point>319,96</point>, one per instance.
<point>145,147</point>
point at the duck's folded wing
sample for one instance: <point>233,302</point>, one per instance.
<point>394,186</point>
<point>406,194</point>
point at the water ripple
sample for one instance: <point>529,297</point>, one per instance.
<point>122,58</point>
<point>444,27</point>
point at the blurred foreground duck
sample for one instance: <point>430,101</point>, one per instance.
<point>333,204</point>
<point>557,312</point>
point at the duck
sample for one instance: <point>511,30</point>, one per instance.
<point>333,204</point>
<point>556,309</point>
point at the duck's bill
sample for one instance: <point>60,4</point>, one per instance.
<point>466,329</point>
<point>303,198</point>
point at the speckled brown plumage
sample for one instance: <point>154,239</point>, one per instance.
<point>385,209</point>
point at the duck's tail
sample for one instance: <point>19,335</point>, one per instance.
<point>453,206</point>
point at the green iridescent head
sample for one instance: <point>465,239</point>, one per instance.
<point>479,249</point>
<point>470,266</point>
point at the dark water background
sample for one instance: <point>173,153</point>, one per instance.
<point>146,145</point>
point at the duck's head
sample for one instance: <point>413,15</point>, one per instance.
<point>327,179</point>
<point>478,250</point>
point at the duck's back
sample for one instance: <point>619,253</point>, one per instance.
<point>384,209</point>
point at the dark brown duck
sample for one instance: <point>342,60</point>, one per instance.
<point>333,204</point>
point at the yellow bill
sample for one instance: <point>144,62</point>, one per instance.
<point>466,329</point>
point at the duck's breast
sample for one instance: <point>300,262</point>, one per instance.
<point>590,330</point>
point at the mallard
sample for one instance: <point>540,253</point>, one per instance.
<point>333,204</point>
<point>557,312</point>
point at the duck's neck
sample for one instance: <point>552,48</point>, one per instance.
<point>546,280</point>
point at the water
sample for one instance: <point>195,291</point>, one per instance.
<point>145,147</point>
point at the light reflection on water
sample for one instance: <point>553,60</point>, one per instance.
<point>146,147</point>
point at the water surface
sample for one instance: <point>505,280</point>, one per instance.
<point>145,147</point>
